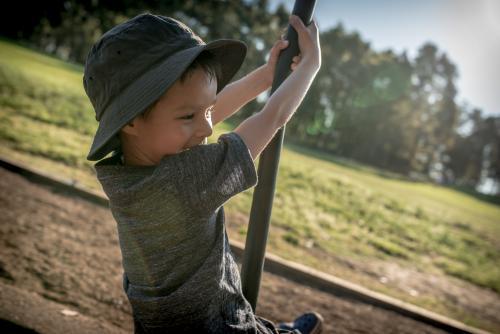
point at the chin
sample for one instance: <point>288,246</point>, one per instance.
<point>203,142</point>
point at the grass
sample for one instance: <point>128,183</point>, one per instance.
<point>326,210</point>
<point>389,218</point>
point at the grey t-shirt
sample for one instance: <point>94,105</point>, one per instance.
<point>179,272</point>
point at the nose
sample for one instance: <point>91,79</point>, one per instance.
<point>205,127</point>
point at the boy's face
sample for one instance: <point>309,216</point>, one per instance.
<point>179,120</point>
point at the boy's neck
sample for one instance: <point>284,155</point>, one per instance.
<point>131,156</point>
<point>131,160</point>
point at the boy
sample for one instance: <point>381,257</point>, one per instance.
<point>157,90</point>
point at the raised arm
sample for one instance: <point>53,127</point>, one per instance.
<point>258,130</point>
<point>237,94</point>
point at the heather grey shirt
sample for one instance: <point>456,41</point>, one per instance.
<point>179,272</point>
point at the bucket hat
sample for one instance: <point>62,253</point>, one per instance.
<point>135,62</point>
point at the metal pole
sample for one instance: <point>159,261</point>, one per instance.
<point>255,246</point>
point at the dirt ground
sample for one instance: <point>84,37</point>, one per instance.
<point>61,253</point>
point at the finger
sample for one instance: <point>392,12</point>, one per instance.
<point>276,49</point>
<point>280,44</point>
<point>284,43</point>
<point>313,26</point>
<point>297,23</point>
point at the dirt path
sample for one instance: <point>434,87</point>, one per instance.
<point>65,250</point>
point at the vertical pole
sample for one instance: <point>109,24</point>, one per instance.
<point>262,203</point>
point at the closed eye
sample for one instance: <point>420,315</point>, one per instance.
<point>190,116</point>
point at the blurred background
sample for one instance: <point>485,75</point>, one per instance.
<point>406,87</point>
<point>390,173</point>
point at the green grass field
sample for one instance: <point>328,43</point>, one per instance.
<point>326,211</point>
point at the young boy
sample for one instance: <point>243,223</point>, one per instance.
<point>157,90</point>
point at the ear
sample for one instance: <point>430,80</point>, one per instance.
<point>131,128</point>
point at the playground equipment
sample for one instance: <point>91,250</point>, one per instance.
<point>262,203</point>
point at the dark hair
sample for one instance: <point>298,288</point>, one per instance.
<point>205,60</point>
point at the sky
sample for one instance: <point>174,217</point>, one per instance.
<point>468,31</point>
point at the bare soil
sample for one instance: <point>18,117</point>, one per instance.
<point>60,253</point>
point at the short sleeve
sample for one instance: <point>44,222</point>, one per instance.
<point>207,176</point>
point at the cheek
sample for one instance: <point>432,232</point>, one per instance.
<point>186,128</point>
<point>170,134</point>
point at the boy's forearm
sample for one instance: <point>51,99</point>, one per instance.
<point>258,129</point>
<point>283,104</point>
<point>235,95</point>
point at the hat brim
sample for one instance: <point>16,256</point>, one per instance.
<point>150,86</point>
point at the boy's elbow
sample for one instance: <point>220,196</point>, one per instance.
<point>257,130</point>
<point>275,117</point>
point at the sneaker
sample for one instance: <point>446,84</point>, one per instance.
<point>307,323</point>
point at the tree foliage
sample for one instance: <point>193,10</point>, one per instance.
<point>379,108</point>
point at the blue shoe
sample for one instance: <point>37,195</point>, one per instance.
<point>307,323</point>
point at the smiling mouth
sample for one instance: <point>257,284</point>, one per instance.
<point>203,142</point>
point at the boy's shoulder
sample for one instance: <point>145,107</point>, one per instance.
<point>205,176</point>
